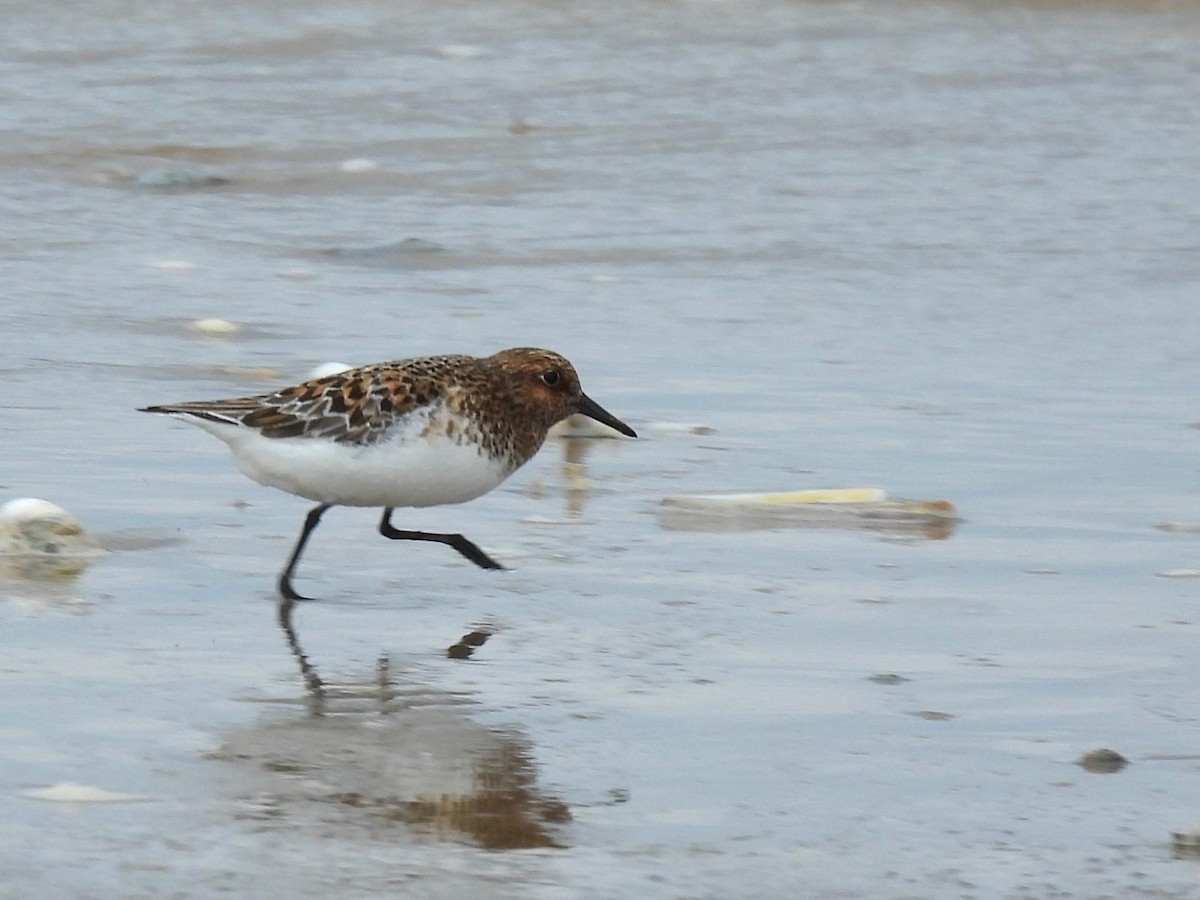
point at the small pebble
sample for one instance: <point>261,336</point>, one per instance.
<point>680,428</point>
<point>1103,761</point>
<point>324,370</point>
<point>178,179</point>
<point>888,678</point>
<point>1178,573</point>
<point>1191,527</point>
<point>359,165</point>
<point>460,51</point>
<point>298,274</point>
<point>931,715</point>
<point>215,326</point>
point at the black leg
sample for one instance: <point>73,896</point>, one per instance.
<point>285,577</point>
<point>457,541</point>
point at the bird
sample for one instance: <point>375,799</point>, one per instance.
<point>419,432</point>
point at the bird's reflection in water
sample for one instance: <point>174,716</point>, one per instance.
<point>578,435</point>
<point>375,751</point>
<point>574,469</point>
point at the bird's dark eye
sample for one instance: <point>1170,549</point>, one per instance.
<point>551,377</point>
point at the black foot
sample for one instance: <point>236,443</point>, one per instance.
<point>457,541</point>
<point>472,552</point>
<point>289,593</point>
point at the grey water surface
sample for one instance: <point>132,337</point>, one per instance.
<point>947,249</point>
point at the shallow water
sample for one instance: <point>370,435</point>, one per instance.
<point>943,249</point>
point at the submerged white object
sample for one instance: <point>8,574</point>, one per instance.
<point>70,792</point>
<point>781,498</point>
<point>40,541</point>
<point>31,527</point>
<point>867,509</point>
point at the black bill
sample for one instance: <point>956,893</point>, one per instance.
<point>593,410</point>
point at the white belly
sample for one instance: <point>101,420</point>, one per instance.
<point>410,471</point>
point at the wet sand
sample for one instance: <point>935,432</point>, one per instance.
<point>946,250</point>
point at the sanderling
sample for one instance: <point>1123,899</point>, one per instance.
<point>411,432</point>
